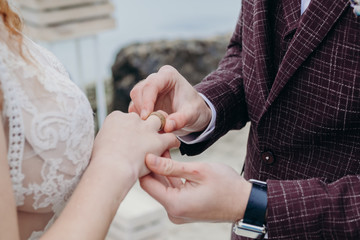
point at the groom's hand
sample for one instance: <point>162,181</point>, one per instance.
<point>211,192</point>
<point>169,91</point>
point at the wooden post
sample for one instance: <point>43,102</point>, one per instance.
<point>53,20</point>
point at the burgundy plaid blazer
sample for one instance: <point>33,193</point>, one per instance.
<point>296,78</point>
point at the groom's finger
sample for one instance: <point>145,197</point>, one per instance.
<point>169,197</point>
<point>170,168</point>
<point>170,181</point>
<point>156,188</point>
<point>137,101</point>
<point>169,140</point>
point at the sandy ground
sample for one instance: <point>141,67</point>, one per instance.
<point>231,150</point>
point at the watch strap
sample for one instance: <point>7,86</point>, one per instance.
<point>255,212</point>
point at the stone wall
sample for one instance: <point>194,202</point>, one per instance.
<point>194,59</point>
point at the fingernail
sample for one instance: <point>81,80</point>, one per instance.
<point>144,114</point>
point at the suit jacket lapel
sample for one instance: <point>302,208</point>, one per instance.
<point>262,52</point>
<point>314,25</point>
<point>264,37</point>
<point>292,12</point>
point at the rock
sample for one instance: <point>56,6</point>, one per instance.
<point>194,59</point>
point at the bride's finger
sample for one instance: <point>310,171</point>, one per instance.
<point>170,140</point>
<point>157,120</point>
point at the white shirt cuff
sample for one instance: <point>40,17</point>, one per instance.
<point>197,137</point>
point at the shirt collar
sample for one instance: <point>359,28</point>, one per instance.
<point>304,5</point>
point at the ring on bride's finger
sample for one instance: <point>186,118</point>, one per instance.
<point>162,119</point>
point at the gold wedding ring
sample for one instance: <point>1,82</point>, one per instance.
<point>162,119</point>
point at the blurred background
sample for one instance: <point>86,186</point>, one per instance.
<point>108,46</point>
<point>143,21</point>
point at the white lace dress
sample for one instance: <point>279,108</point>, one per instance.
<point>49,126</point>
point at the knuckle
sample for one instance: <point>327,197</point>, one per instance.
<point>166,68</point>
<point>131,107</point>
<point>134,92</point>
<point>133,115</point>
<point>115,114</point>
<point>167,71</point>
<point>150,78</point>
<point>168,166</point>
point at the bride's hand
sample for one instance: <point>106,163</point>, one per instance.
<point>124,140</point>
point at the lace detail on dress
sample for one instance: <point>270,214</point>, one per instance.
<point>51,128</point>
<point>16,133</point>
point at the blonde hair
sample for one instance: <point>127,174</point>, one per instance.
<point>11,19</point>
<point>14,25</point>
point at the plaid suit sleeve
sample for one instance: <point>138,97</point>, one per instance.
<point>311,209</point>
<point>224,88</point>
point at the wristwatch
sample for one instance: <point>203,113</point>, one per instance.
<point>253,223</point>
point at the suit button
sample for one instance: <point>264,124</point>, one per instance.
<point>267,157</point>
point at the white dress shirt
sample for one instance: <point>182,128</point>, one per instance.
<point>304,5</point>
<point>192,138</point>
